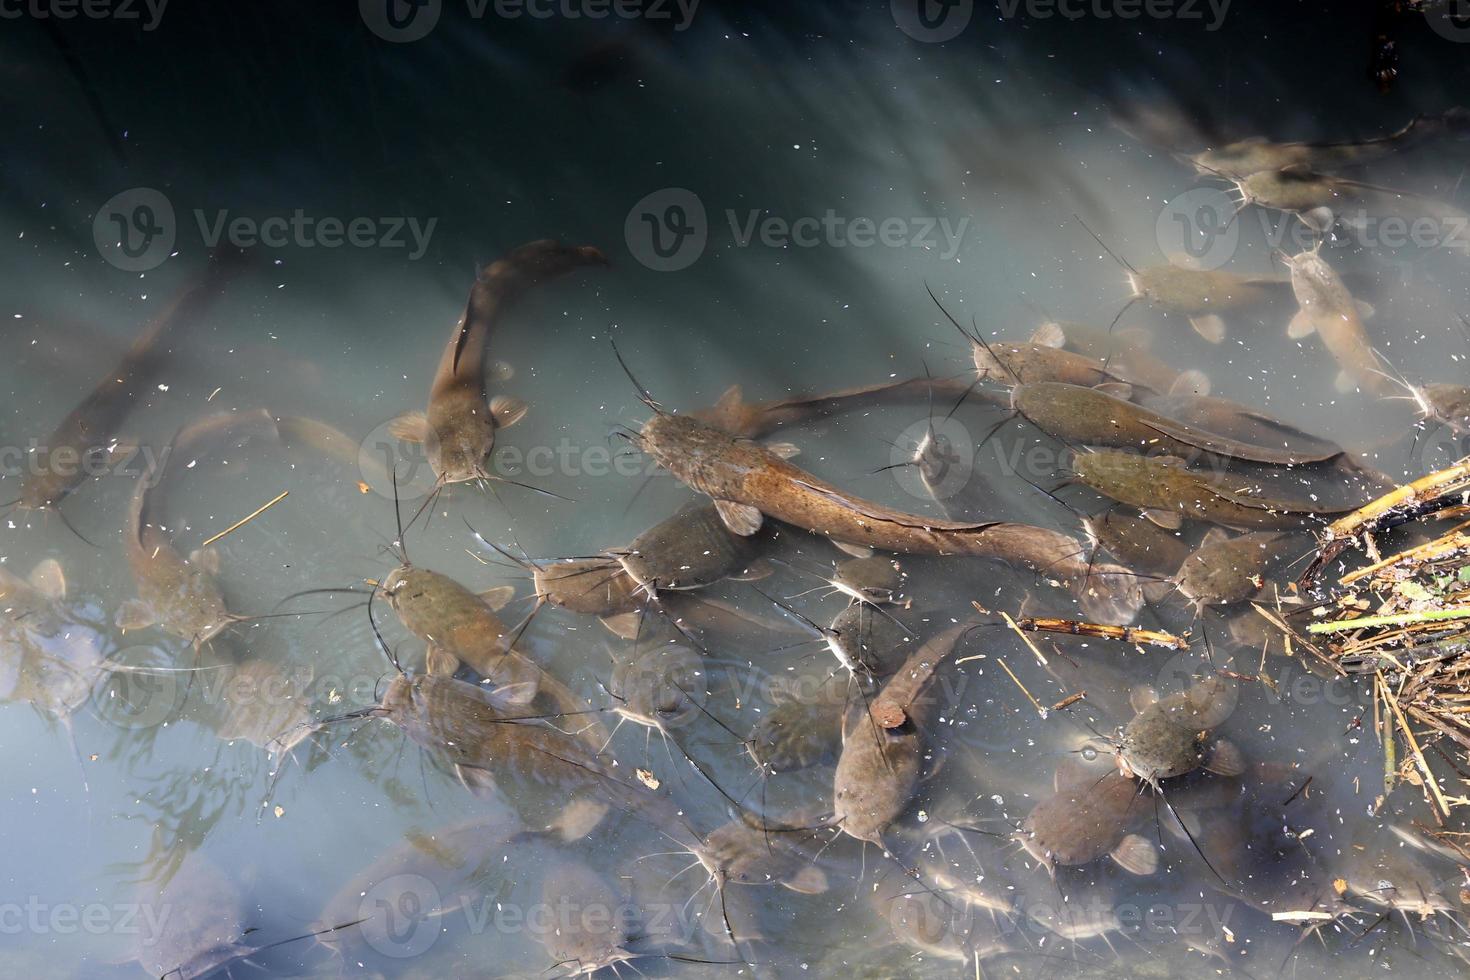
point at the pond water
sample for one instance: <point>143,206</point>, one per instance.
<point>777,192</point>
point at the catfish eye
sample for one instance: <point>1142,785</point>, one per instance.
<point>1089,752</point>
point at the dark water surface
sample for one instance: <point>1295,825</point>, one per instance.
<point>774,186</point>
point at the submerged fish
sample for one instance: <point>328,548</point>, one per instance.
<point>181,595</point>
<point>1169,492</point>
<point>691,550</point>
<point>798,731</point>
<point>417,882</point>
<point>1321,200</point>
<point>748,483</point>
<point>486,741</point>
<point>1171,736</point>
<point>1088,818</point>
<point>1125,352</point>
<point>883,749</point>
<point>1329,310</point>
<point>1202,296</point>
<point>1091,417</point>
<point>1225,570</point>
<point>458,430</point>
<point>90,429</point>
<point>1249,156</point>
<point>1138,543</point>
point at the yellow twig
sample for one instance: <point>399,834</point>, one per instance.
<point>246,519</point>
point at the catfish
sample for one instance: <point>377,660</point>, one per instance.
<point>462,627</point>
<point>181,595</point>
<point>691,550</point>
<point>91,428</point>
<point>1321,200</point>
<point>780,852</point>
<point>736,417</point>
<point>1138,543</point>
<point>487,738</point>
<point>1329,310</point>
<point>458,430</point>
<point>749,483</point>
<point>1169,492</point>
<point>1225,570</point>
<point>1201,296</point>
<point>937,927</point>
<point>418,881</point>
<point>592,928</point>
<point>1256,154</point>
<point>1239,422</point>
<point>1040,359</point>
<point>1171,736</point>
<point>660,688</point>
<point>193,926</point>
<point>798,732</point>
<point>1125,352</point>
<point>48,657</point>
<point>1087,819</point>
<point>883,748</point>
<point>1092,417</point>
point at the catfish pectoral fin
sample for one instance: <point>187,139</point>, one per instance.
<point>1170,519</point>
<point>480,782</point>
<point>1191,382</point>
<point>497,597</point>
<point>410,427</point>
<point>1225,759</point>
<point>623,625</point>
<point>1135,855</point>
<point>1210,327</point>
<point>810,880</point>
<point>741,519</point>
<point>1118,389</point>
<point>579,818</point>
<point>1344,382</point>
<point>1049,335</point>
<point>856,550</point>
<point>1319,219</point>
<point>507,411</point>
<point>440,662</point>
<point>1301,325</point>
<point>207,559</point>
<point>784,450</point>
<point>48,579</point>
<point>135,614</point>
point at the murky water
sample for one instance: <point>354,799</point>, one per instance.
<point>774,189</point>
